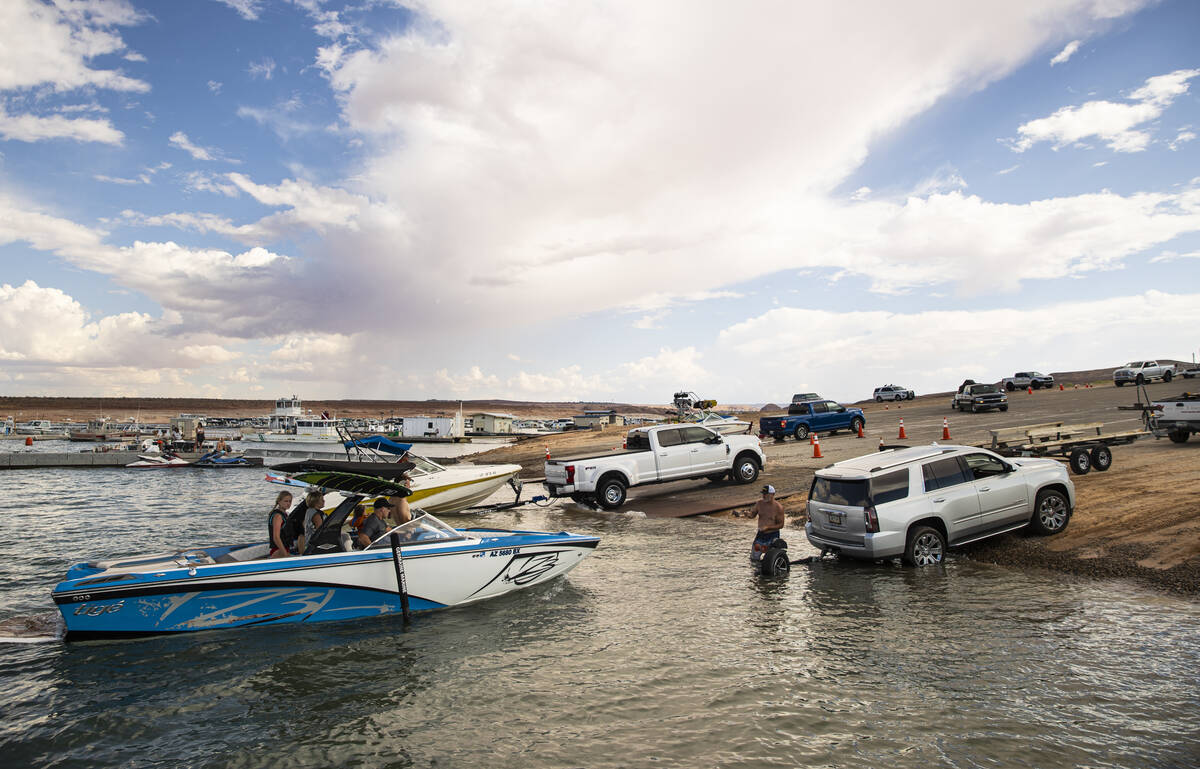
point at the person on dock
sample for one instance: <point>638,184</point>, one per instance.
<point>200,436</point>
<point>282,535</point>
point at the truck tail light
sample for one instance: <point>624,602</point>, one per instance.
<point>570,475</point>
<point>870,519</point>
<point>783,423</point>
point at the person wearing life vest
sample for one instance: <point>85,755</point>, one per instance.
<point>279,528</point>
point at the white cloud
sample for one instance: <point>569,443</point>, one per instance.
<point>873,347</point>
<point>1123,126</point>
<point>180,139</point>
<point>1066,53</point>
<point>1009,170</point>
<point>247,9</point>
<point>1171,256</point>
<point>214,86</point>
<point>32,128</point>
<point>264,68</point>
<point>1182,138</point>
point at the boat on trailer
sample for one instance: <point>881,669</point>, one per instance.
<point>432,566</point>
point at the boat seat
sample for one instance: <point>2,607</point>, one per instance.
<point>250,553</point>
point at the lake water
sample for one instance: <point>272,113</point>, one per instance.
<point>661,649</point>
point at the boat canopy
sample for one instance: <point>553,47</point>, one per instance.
<point>379,443</point>
<point>351,477</point>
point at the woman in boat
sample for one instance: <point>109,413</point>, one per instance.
<point>282,536</point>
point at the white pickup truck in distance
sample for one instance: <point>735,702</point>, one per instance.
<point>1142,371</point>
<point>655,455</point>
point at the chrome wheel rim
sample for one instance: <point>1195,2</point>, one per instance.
<point>927,550</point>
<point>612,495</point>
<point>1053,513</point>
<point>746,470</point>
<point>1103,459</point>
<point>1083,463</point>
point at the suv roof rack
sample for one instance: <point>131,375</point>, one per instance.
<point>932,453</point>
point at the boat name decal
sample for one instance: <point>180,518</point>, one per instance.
<point>97,610</point>
<point>529,568</point>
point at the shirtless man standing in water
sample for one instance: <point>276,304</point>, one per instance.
<point>770,521</point>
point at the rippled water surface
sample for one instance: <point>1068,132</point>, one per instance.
<point>661,649</point>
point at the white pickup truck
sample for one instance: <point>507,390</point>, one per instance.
<point>1177,418</point>
<point>655,455</point>
<point>1141,371</point>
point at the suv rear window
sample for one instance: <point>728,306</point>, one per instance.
<point>835,491</point>
<point>890,486</point>
<point>942,473</point>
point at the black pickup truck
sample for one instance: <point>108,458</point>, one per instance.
<point>974,397</point>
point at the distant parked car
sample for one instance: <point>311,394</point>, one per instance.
<point>892,392</point>
<point>1024,379</point>
<point>1190,373</point>
<point>805,397</point>
<point>1141,371</point>
<point>914,503</point>
<point>975,397</point>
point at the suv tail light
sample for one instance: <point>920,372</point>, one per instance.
<point>570,475</point>
<point>869,518</point>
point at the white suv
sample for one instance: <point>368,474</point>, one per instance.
<point>892,392</point>
<point>914,503</point>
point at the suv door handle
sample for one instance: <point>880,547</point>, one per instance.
<point>940,499</point>
<point>986,488</point>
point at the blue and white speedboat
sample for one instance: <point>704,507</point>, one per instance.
<point>434,566</point>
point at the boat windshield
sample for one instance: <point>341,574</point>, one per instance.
<point>422,466</point>
<point>426,528</point>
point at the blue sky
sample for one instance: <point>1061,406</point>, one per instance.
<point>548,201</point>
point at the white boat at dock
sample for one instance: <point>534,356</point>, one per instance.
<point>289,424</point>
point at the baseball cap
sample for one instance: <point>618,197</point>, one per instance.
<point>768,489</point>
<point>382,502</point>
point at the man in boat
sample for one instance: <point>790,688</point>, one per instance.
<point>374,526</point>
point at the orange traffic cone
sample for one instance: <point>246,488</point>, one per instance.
<point>881,443</point>
<point>817,449</point>
<point>945,429</point>
<point>28,440</point>
<point>547,451</point>
<point>902,435</point>
<point>860,435</point>
<point>1030,389</point>
<point>812,439</point>
<point>1060,387</point>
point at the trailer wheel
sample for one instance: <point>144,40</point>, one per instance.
<point>1101,458</point>
<point>1179,436</point>
<point>775,562</point>
<point>801,432</point>
<point>1080,462</point>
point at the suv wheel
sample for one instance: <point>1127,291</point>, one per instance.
<point>1050,514</point>
<point>926,547</point>
<point>879,399</point>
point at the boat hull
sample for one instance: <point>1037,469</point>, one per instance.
<point>143,600</point>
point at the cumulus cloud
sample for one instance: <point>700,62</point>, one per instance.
<point>1123,126</point>
<point>247,9</point>
<point>1066,53</point>
<point>1185,135</point>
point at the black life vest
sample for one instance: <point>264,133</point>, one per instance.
<point>287,533</point>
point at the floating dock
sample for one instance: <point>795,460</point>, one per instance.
<point>28,460</point>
